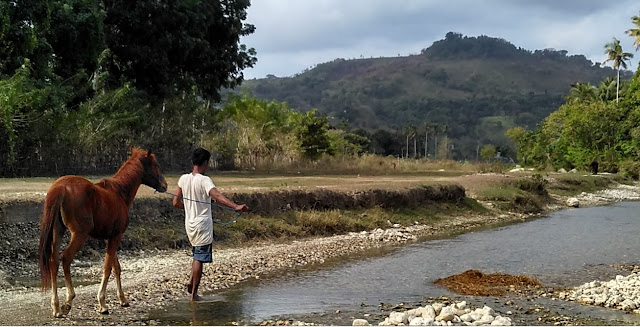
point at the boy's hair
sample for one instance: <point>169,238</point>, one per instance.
<point>200,156</point>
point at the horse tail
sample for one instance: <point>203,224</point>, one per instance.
<point>50,214</point>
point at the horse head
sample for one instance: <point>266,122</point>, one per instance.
<point>152,176</point>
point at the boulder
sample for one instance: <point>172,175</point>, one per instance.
<point>397,318</point>
<point>573,202</point>
<point>418,321</point>
<point>437,307</point>
<point>429,312</point>
<point>360,322</point>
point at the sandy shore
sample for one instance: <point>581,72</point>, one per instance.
<point>152,280</point>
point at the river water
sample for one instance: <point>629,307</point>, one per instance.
<point>565,248</point>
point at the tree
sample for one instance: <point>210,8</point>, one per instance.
<point>488,152</point>
<point>619,58</point>
<point>166,47</point>
<point>635,32</point>
<point>583,92</point>
<point>314,140</point>
<point>606,89</point>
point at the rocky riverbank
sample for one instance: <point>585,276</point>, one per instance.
<point>153,279</point>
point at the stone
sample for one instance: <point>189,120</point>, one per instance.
<point>418,321</point>
<point>573,202</point>
<point>396,318</point>
<point>446,314</point>
<point>475,315</point>
<point>429,312</point>
<point>437,307</point>
<point>501,321</point>
<point>360,322</point>
<point>466,318</point>
<point>562,170</point>
<point>461,305</point>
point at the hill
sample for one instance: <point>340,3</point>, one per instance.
<point>454,84</point>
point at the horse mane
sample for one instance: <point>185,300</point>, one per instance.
<point>128,178</point>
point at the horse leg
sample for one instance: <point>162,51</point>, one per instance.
<point>53,270</point>
<point>116,266</point>
<point>108,264</point>
<point>75,243</point>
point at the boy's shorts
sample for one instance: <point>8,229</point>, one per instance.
<point>203,253</point>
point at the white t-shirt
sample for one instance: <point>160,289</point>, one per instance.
<point>198,221</point>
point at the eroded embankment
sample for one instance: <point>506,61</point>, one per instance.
<point>156,225</point>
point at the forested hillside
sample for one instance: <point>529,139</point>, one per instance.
<point>469,90</point>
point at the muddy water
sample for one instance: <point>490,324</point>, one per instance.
<point>564,249</point>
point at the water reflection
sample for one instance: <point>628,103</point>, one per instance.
<point>567,248</point>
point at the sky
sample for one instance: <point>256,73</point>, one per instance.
<point>293,35</point>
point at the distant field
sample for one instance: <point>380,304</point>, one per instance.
<point>12,189</point>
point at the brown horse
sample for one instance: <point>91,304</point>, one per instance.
<point>99,210</point>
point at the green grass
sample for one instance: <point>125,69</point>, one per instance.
<point>571,185</point>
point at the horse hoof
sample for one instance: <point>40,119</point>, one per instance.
<point>125,305</point>
<point>65,308</point>
<point>58,315</point>
<point>104,312</point>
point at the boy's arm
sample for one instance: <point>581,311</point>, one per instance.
<point>220,198</point>
<point>177,199</point>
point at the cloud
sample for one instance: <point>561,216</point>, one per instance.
<point>293,35</point>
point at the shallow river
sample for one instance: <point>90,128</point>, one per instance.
<point>566,248</point>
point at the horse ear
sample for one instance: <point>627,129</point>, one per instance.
<point>148,153</point>
<point>131,150</point>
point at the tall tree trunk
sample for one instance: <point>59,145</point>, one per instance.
<point>415,147</point>
<point>426,143</point>
<point>618,86</point>
<point>407,155</point>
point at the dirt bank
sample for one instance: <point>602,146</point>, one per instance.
<point>153,279</point>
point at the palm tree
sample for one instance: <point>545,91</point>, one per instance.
<point>584,92</point>
<point>614,53</point>
<point>606,89</point>
<point>635,32</point>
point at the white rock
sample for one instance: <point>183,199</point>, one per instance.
<point>445,316</point>
<point>396,318</point>
<point>360,322</point>
<point>461,305</point>
<point>437,307</point>
<point>418,321</point>
<point>475,315</point>
<point>573,202</point>
<point>487,310</point>
<point>386,322</point>
<point>486,319</point>
<point>429,312</point>
<point>562,170</point>
<point>501,321</point>
<point>466,318</point>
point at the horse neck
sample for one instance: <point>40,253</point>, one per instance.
<point>127,180</point>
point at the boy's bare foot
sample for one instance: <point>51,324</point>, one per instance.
<point>189,288</point>
<point>195,298</point>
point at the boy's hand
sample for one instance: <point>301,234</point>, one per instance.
<point>242,207</point>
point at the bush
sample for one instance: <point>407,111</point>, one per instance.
<point>536,184</point>
<point>630,169</point>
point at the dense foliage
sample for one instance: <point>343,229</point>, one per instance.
<point>81,80</point>
<point>584,130</point>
